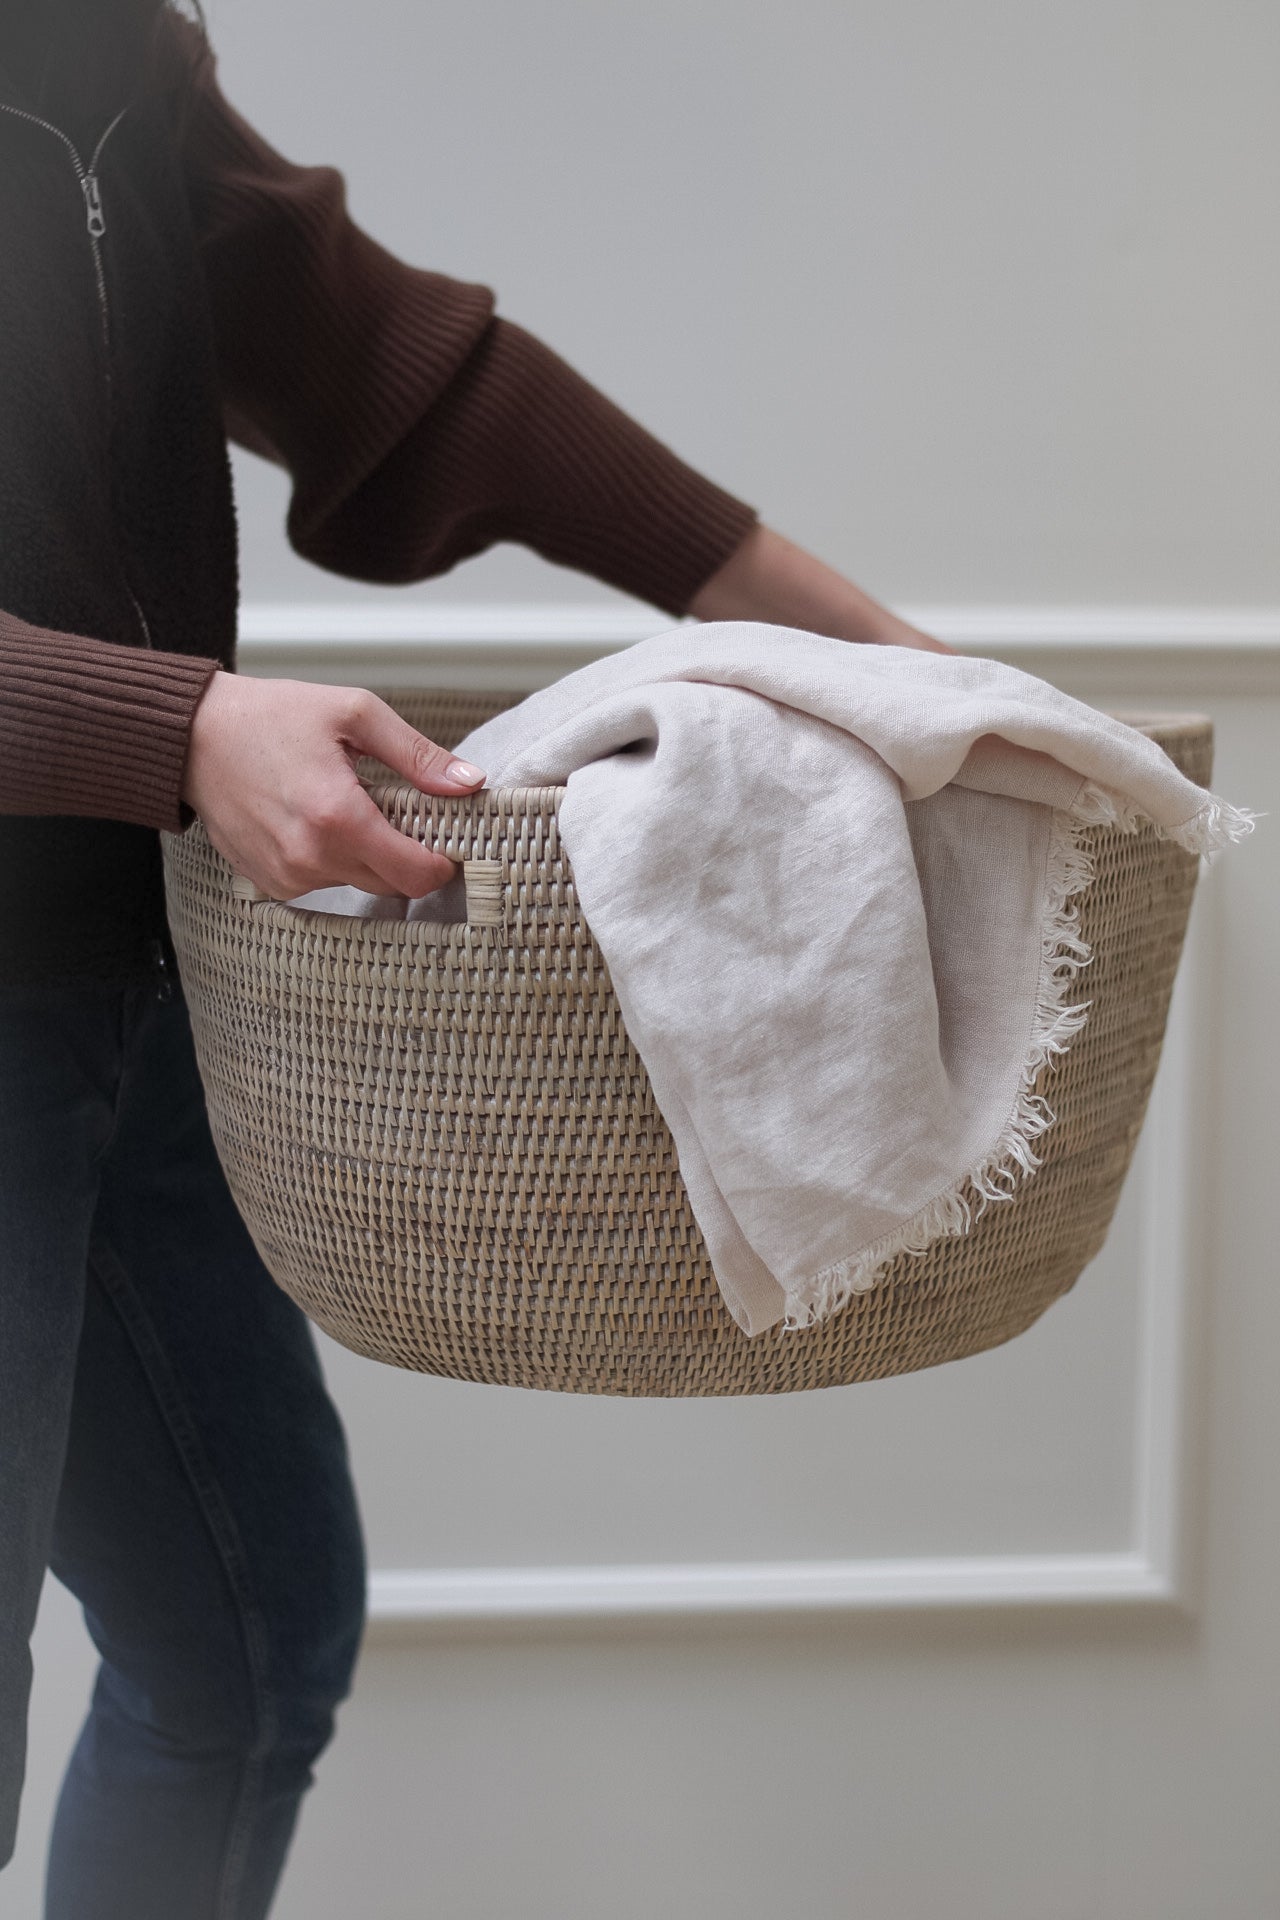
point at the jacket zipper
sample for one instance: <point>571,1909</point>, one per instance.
<point>95,222</point>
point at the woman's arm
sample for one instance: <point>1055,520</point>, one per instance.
<point>769,578</point>
<point>418,426</point>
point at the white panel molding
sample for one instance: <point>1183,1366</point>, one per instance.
<point>415,1601</point>
<point>1188,650</point>
<point>1150,1570</point>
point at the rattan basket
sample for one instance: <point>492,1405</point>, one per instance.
<point>448,1151</point>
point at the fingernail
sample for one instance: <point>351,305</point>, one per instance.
<point>464,775</point>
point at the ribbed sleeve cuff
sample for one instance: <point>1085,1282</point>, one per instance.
<point>91,728</point>
<point>521,447</point>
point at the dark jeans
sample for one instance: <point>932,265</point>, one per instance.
<point>168,1448</point>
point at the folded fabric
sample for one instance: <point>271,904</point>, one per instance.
<point>837,888</point>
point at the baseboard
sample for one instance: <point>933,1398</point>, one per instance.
<point>1188,650</point>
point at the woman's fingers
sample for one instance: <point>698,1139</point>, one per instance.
<point>345,842</point>
<point>432,769</point>
<point>271,772</point>
<point>401,865</point>
<point>353,874</point>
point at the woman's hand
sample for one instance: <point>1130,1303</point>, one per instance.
<point>271,770</point>
<point>769,578</point>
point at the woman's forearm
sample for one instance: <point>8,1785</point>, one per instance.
<point>769,578</point>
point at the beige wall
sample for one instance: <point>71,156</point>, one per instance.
<point>979,302</point>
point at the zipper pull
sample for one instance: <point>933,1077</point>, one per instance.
<point>93,205</point>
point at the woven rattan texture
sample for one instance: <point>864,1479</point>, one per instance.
<point>448,1151</point>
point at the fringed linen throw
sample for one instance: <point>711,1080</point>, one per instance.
<point>837,888</point>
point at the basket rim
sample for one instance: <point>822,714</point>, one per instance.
<point>544,802</point>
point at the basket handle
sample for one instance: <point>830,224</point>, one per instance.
<point>483,895</point>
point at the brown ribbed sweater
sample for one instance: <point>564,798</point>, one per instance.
<point>418,427</point>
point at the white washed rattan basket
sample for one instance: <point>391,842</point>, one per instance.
<point>448,1152</point>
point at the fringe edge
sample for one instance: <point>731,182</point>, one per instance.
<point>1055,1024</point>
<point>1214,826</point>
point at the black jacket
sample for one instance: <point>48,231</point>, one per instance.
<point>166,279</point>
<point>116,503</point>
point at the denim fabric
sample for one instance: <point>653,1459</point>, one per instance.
<point>168,1448</point>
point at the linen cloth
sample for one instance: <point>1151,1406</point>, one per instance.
<point>837,888</point>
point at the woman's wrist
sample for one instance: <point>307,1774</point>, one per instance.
<point>771,579</point>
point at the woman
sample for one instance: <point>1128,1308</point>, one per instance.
<point>166,1443</point>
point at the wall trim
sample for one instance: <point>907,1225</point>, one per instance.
<point>416,1599</point>
<point>413,1602</point>
<point>528,644</point>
